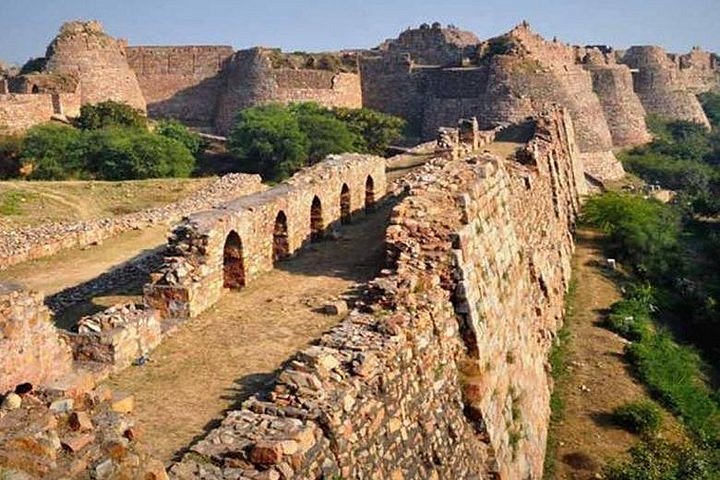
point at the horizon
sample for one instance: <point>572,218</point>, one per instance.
<point>328,26</point>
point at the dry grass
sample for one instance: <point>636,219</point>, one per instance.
<point>25,203</point>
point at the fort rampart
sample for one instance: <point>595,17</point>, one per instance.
<point>234,243</point>
<point>444,374</point>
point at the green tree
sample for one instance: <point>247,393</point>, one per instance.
<point>123,154</point>
<point>177,131</point>
<point>325,133</point>
<point>10,156</point>
<point>53,152</point>
<point>110,114</point>
<point>377,130</point>
<point>711,104</point>
<point>268,140</point>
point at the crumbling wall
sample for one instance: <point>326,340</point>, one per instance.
<point>700,71</point>
<point>658,83</point>
<point>98,61</point>
<point>183,83</point>
<point>31,349</point>
<point>443,373</point>
<point>192,278</point>
<point>18,112</point>
<point>252,80</point>
<point>624,113</point>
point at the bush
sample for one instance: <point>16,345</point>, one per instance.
<point>126,154</point>
<point>658,459</point>
<point>711,104</point>
<point>325,133</point>
<point>110,114</point>
<point>177,131</point>
<point>10,156</point>
<point>53,152</point>
<point>374,130</point>
<point>639,417</point>
<point>674,374</point>
<point>646,232</point>
<point>268,141</point>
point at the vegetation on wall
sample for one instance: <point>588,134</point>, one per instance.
<point>276,141</point>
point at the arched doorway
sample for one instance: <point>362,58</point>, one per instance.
<point>281,247</point>
<point>369,195</point>
<point>316,220</point>
<point>345,211</point>
<point>233,266</point>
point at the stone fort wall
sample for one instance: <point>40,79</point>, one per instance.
<point>181,82</point>
<point>444,374</point>
<point>18,111</point>
<point>267,226</point>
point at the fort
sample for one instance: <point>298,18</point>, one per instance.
<point>435,365</point>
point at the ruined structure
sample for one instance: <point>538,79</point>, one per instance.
<point>231,245</point>
<point>660,86</point>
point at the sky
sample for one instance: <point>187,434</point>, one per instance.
<point>26,27</point>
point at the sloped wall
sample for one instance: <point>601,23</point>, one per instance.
<point>443,375</point>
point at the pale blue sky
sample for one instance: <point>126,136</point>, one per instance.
<point>26,26</point>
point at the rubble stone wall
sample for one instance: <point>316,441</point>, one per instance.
<point>181,82</point>
<point>32,350</point>
<point>82,49</point>
<point>658,83</point>
<point>18,112</point>
<point>444,373</point>
<point>624,113</point>
<point>27,244</point>
<point>192,278</point>
<point>252,80</point>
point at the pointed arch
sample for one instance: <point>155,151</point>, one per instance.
<point>233,263</point>
<point>316,220</point>
<point>281,246</point>
<point>369,194</point>
<point>345,210</point>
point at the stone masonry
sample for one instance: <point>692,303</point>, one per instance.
<point>264,227</point>
<point>443,373</point>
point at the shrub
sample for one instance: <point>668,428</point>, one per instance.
<point>110,114</point>
<point>325,133</point>
<point>640,417</point>
<point>10,156</point>
<point>123,154</point>
<point>646,232</point>
<point>268,141</point>
<point>374,130</point>
<point>658,459</point>
<point>53,152</point>
<point>177,131</point>
<point>711,104</point>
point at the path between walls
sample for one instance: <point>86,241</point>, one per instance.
<point>218,359</point>
<point>598,379</point>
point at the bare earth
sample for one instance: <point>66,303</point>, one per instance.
<point>598,378</point>
<point>216,360</point>
<point>50,275</point>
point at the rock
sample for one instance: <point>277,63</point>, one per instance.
<point>266,453</point>
<point>62,406</point>
<point>338,307</point>
<point>12,401</point>
<point>80,421</point>
<point>74,443</point>
<point>123,403</point>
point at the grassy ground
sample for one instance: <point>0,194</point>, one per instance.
<point>597,377</point>
<point>25,203</point>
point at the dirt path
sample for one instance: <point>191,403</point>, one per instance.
<point>216,360</point>
<point>598,379</point>
<point>77,265</point>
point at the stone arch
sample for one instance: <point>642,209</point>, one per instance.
<point>281,246</point>
<point>233,264</point>
<point>35,89</point>
<point>345,210</point>
<point>316,220</point>
<point>369,194</point>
